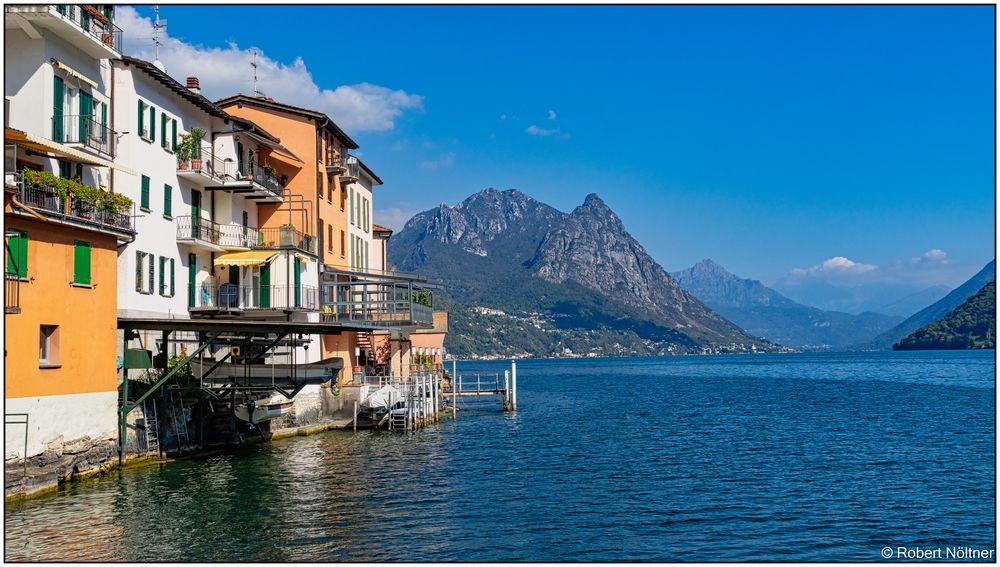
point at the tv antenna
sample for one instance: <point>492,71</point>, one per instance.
<point>253,64</point>
<point>157,26</point>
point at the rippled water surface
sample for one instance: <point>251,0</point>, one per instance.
<point>767,457</point>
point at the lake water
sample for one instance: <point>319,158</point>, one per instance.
<point>827,457</point>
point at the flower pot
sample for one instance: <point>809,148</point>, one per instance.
<point>183,165</point>
<point>196,164</point>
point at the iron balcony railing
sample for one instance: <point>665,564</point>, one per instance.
<point>261,177</point>
<point>285,237</point>
<point>377,303</point>
<point>46,199</point>
<point>334,160</point>
<point>93,23</point>
<point>225,235</point>
<point>11,293</point>
<point>85,129</point>
<point>208,164</point>
<point>352,168</point>
<point>229,296</point>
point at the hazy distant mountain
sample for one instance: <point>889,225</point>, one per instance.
<point>972,324</point>
<point>914,302</point>
<point>523,276</point>
<point>764,312</point>
<point>935,311</point>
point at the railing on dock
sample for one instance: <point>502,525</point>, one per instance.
<point>475,385</point>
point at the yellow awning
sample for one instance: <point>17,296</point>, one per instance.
<point>73,72</point>
<point>303,258</point>
<point>38,143</point>
<point>251,258</point>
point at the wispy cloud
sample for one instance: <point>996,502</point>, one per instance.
<point>932,256</point>
<point>536,130</point>
<point>394,217</point>
<point>552,114</point>
<point>444,160</point>
<point>226,71</point>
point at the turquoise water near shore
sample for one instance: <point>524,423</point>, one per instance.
<point>791,457</point>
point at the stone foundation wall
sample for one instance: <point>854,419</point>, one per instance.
<point>60,461</point>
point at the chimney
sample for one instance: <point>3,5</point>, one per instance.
<point>193,86</point>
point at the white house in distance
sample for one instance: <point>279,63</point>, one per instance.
<point>359,225</point>
<point>199,252</point>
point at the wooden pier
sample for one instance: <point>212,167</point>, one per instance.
<point>478,385</point>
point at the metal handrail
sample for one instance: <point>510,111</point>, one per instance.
<point>84,129</point>
<point>264,179</point>
<point>198,229</point>
<point>105,32</point>
<point>208,164</point>
<point>47,199</point>
<point>255,298</point>
<point>351,166</point>
<point>375,303</point>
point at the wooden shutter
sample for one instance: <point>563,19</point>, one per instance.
<point>152,275</point>
<point>298,283</point>
<point>167,198</point>
<point>163,130</point>
<point>81,262</point>
<point>58,98</point>
<point>163,274</point>
<point>265,286</point>
<point>352,206</point>
<point>171,277</point>
<point>138,271</point>
<point>86,114</point>
<point>17,254</point>
<point>104,123</point>
<point>152,124</point>
<point>173,135</point>
<point>192,276</point>
<point>142,118</point>
<point>144,195</point>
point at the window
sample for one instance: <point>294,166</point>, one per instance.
<point>163,129</point>
<point>17,253</point>
<point>144,194</point>
<point>48,346</point>
<point>167,198</point>
<point>167,276</point>
<point>343,199</point>
<point>143,133</point>
<point>352,206</point>
<point>152,124</point>
<point>329,190</point>
<point>81,262</point>
<point>364,209</point>
<point>343,244</point>
<point>329,237</point>
<point>144,272</point>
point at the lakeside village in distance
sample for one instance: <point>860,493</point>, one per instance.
<point>183,274</point>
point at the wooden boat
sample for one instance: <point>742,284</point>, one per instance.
<point>263,412</point>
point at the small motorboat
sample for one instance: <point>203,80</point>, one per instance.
<point>254,413</point>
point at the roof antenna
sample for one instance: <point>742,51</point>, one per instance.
<point>157,26</point>
<point>253,64</point>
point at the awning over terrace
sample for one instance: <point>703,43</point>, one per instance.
<point>249,258</point>
<point>40,144</point>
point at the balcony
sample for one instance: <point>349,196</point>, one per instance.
<point>84,130</point>
<point>208,170</point>
<point>47,201</point>
<point>211,299</point>
<point>83,26</point>
<point>352,170</point>
<point>335,163</point>
<point>379,303</point>
<point>210,235</point>
<point>286,237</point>
<point>257,184</point>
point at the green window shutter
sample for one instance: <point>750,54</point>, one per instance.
<point>265,286</point>
<point>104,122</point>
<point>59,92</point>
<point>352,206</point>
<point>192,276</point>
<point>167,197</point>
<point>144,195</point>
<point>152,275</point>
<point>163,130</point>
<point>298,283</point>
<point>138,270</point>
<point>64,169</point>
<point>81,262</point>
<point>86,114</point>
<point>163,273</point>
<point>173,135</point>
<point>17,254</point>
<point>142,118</point>
<point>152,124</point>
<point>171,277</point>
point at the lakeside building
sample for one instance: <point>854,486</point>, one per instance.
<point>63,228</point>
<point>187,270</point>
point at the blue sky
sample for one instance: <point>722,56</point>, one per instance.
<point>769,139</point>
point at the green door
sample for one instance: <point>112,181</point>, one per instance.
<point>58,98</point>
<point>192,273</point>
<point>265,286</point>
<point>298,283</point>
<point>195,214</point>
<point>86,114</point>
<point>234,275</point>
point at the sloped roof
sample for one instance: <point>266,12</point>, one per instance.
<point>273,104</point>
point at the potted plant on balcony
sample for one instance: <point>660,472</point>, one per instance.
<point>270,170</point>
<point>189,149</point>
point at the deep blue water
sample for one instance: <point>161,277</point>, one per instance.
<point>826,457</point>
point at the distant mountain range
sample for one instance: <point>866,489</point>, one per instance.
<point>764,312</point>
<point>935,311</point>
<point>899,298</point>
<point>522,276</point>
<point>972,324</point>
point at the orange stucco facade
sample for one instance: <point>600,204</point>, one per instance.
<point>86,317</point>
